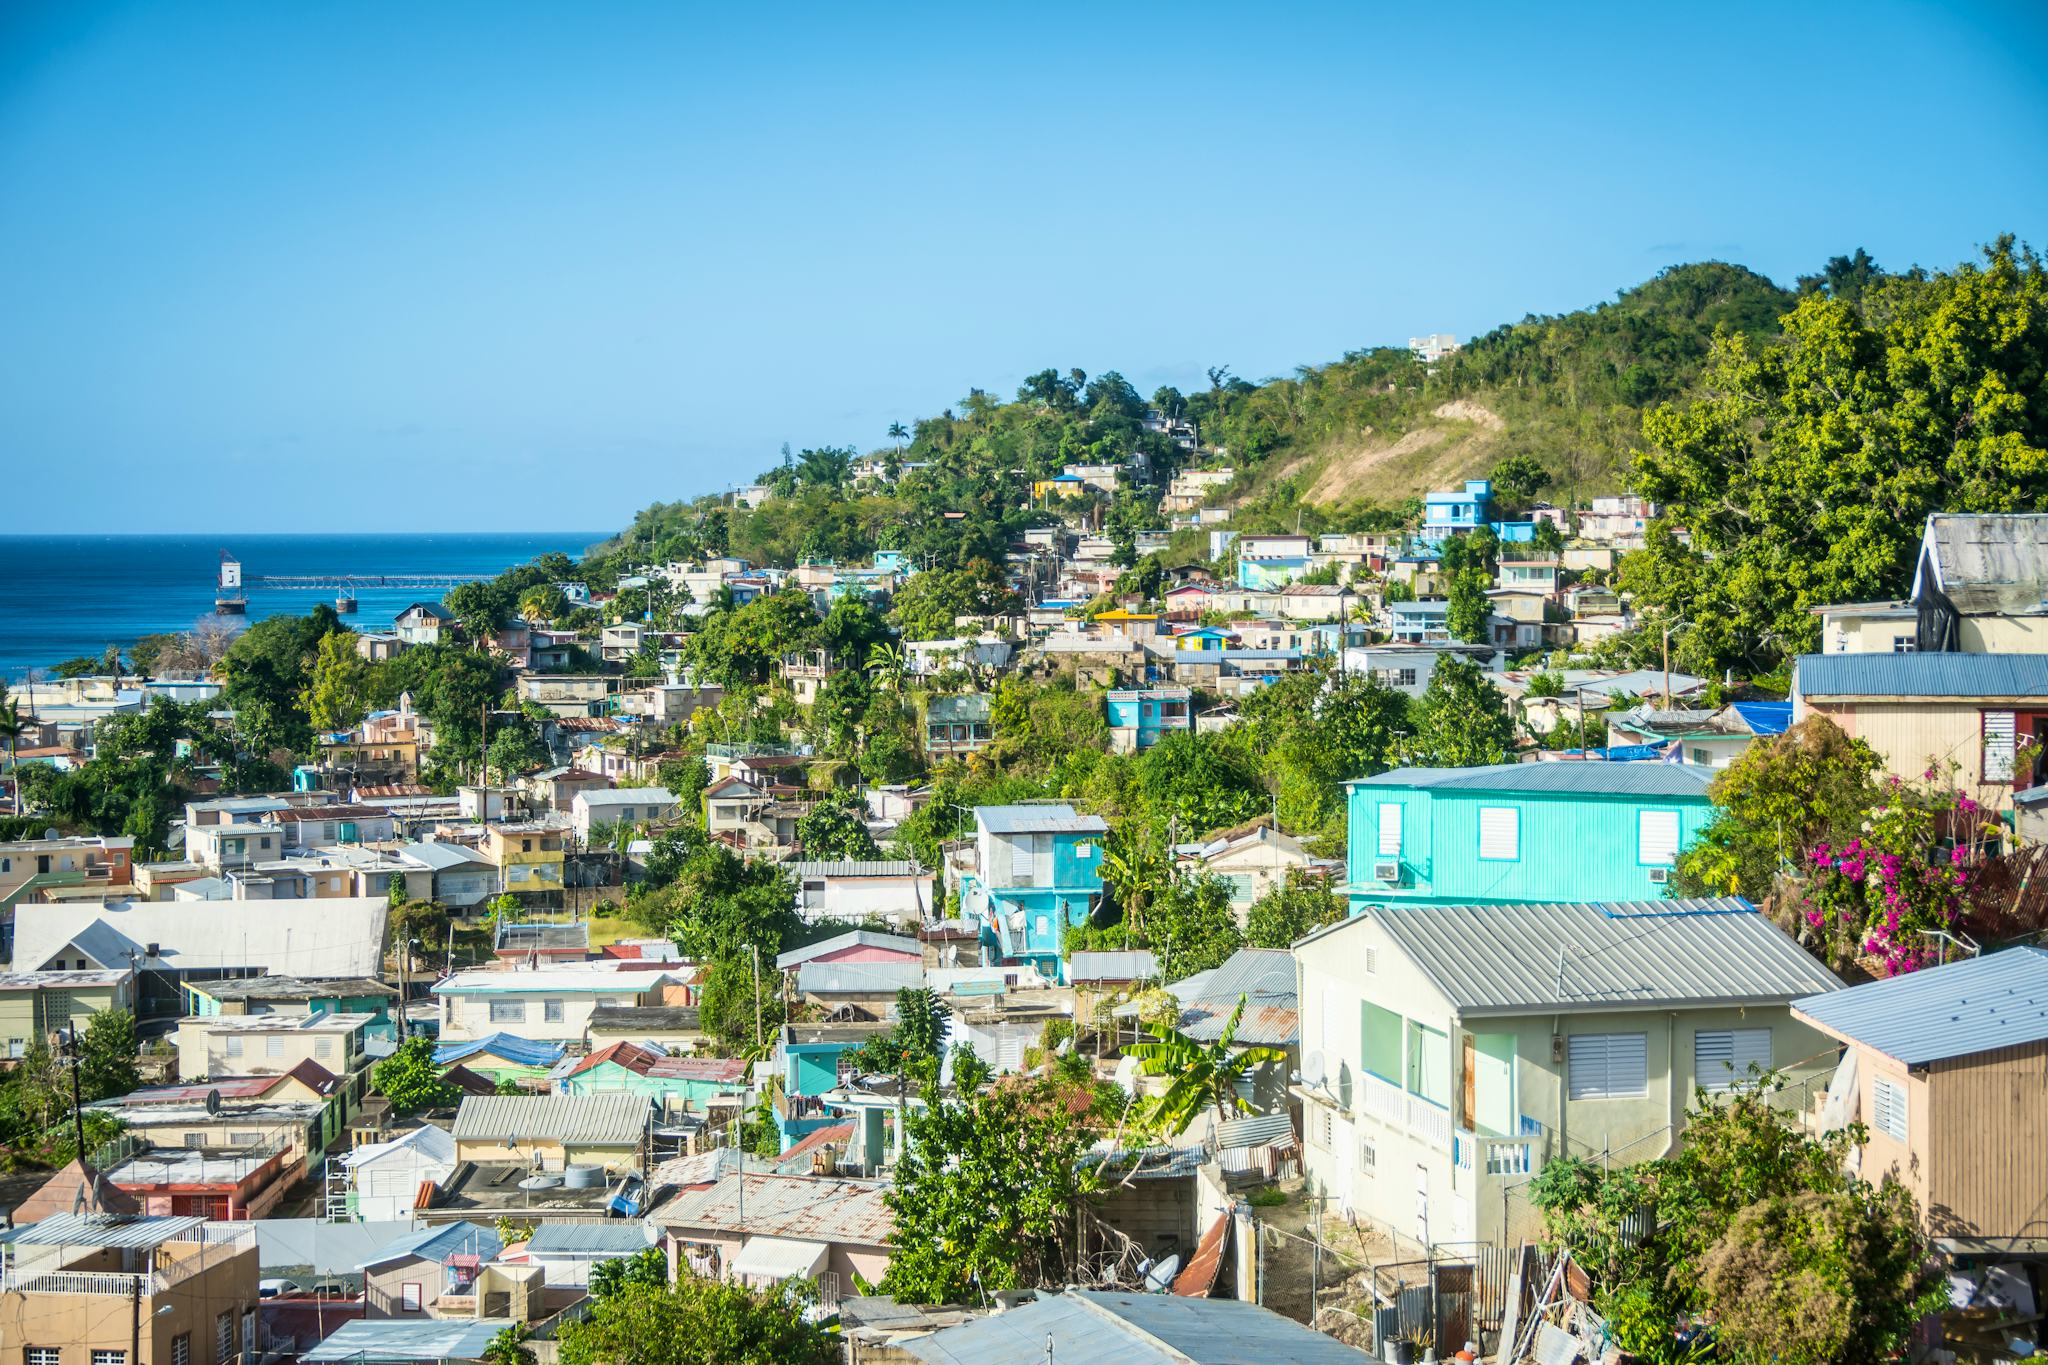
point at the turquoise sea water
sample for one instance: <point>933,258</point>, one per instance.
<point>63,596</point>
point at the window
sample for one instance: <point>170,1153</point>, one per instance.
<point>42,1355</point>
<point>245,1139</point>
<point>1998,746</point>
<point>181,1349</point>
<point>1322,1126</point>
<point>323,1047</point>
<point>1368,1156</point>
<point>1500,833</point>
<point>1656,837</point>
<point>109,1358</point>
<point>1888,1108</point>
<point>1429,1064</point>
<point>508,1011</point>
<point>1390,829</point>
<point>15,1048</point>
<point>234,1047</point>
<point>1701,759</point>
<point>1903,644</point>
<point>224,1336</point>
<point>273,1046</point>
<point>1608,1066</point>
<point>409,1297</point>
<point>551,1011</point>
<point>1723,1057</point>
<point>195,1140</point>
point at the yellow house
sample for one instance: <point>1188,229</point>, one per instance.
<point>43,1005</point>
<point>528,856</point>
<point>553,1131</point>
<point>269,1044</point>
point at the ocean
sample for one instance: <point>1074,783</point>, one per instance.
<point>63,596</point>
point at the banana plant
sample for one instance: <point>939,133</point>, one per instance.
<point>1204,1075</point>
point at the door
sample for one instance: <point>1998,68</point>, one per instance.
<point>1468,1074</point>
<point>1422,1205</point>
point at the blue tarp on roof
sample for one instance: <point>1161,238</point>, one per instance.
<point>512,1048</point>
<point>1766,717</point>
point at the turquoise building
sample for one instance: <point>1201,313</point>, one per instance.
<point>1038,871</point>
<point>807,1061</point>
<point>1519,833</point>
<point>1139,717</point>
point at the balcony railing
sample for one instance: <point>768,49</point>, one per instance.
<point>72,1282</point>
<point>1383,1100</point>
<point>1429,1121</point>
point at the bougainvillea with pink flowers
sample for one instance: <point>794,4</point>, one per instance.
<point>1884,894</point>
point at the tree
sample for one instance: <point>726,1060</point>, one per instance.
<point>1518,479</point>
<point>1133,868</point>
<point>12,727</point>
<point>698,1321</point>
<point>642,1270</point>
<point>1192,927</point>
<point>1297,906</point>
<point>408,1079</point>
<point>481,607</point>
<point>1316,729</point>
<point>344,684</point>
<point>107,1053</point>
<point>1468,567</point>
<point>1461,719</point>
<point>1204,1075</point>
<point>899,434</point>
<point>1785,795</point>
<point>1751,1222</point>
<point>984,1194</point>
<point>509,1346</point>
<point>833,829</point>
<point>543,603</point>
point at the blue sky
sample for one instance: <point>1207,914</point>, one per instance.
<point>498,265</point>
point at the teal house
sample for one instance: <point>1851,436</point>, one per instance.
<point>807,1061</point>
<point>1139,717</point>
<point>1038,872</point>
<point>669,1083</point>
<point>1519,833</point>
<point>289,995</point>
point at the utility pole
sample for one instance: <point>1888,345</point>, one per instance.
<point>78,1111</point>
<point>755,951</point>
<point>1667,665</point>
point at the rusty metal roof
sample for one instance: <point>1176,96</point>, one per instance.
<point>817,1207</point>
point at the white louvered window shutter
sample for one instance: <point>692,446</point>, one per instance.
<point>1888,1108</point>
<point>1657,837</point>
<point>1721,1058</point>
<point>1500,833</point>
<point>1390,829</point>
<point>1998,746</point>
<point>1608,1066</point>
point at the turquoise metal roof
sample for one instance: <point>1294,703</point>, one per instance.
<point>1922,675</point>
<point>1997,1000</point>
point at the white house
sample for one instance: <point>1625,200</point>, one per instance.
<point>551,1004</point>
<point>897,891</point>
<point>384,1177</point>
<point>621,806</point>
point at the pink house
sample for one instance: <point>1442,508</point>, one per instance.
<point>818,1228</point>
<point>860,945</point>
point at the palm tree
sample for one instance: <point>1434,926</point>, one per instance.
<point>899,434</point>
<point>889,664</point>
<point>1204,1075</point>
<point>12,727</point>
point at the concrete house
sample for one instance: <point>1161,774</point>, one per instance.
<point>623,806</point>
<point>1251,859</point>
<point>1522,832</point>
<point>43,1006</point>
<point>410,1277</point>
<point>1269,563</point>
<point>896,891</point>
<point>1449,1051</point>
<point>547,1004</point>
<point>424,623</point>
<point>1407,668</point>
<point>270,1044</point>
<point>1140,717</point>
<point>957,724</point>
<point>1947,1069</point>
<point>1458,511</point>
<point>1038,870</point>
<point>553,1131</point>
<point>764,1229</point>
<point>1981,713</point>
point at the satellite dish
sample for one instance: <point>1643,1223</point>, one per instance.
<point>50,834</point>
<point>1312,1072</point>
<point>213,1103</point>
<point>1159,1277</point>
<point>651,1233</point>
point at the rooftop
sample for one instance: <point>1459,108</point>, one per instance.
<point>508,1047</point>
<point>1658,780</point>
<point>1115,1327</point>
<point>400,1340</point>
<point>1264,979</point>
<point>1993,1001</point>
<point>858,978</point>
<point>1049,818</point>
<point>598,976</point>
<point>291,988</point>
<point>856,938</point>
<point>439,1243</point>
<point>1921,675</point>
<point>322,1022</point>
<point>822,1207</point>
<point>1137,964</point>
<point>1512,959</point>
<point>848,867</point>
<point>607,1120</point>
<point>125,1231</point>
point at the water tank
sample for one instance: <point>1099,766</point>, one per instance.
<point>582,1177</point>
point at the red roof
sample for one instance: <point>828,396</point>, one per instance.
<point>800,1153</point>
<point>316,1076</point>
<point>230,1088</point>
<point>631,1056</point>
<point>726,1069</point>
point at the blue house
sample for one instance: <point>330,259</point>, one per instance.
<point>1140,716</point>
<point>1519,833</point>
<point>1454,513</point>
<point>807,1057</point>
<point>1419,623</point>
<point>1038,870</point>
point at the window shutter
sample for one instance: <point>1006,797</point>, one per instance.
<point>1888,1108</point>
<point>1722,1057</point>
<point>1390,829</point>
<point>1605,1066</point>
<point>1500,833</point>
<point>1998,746</point>
<point>1657,837</point>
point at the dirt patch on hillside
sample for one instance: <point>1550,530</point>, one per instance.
<point>1465,410</point>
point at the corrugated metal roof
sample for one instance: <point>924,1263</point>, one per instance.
<point>400,1341</point>
<point>1134,964</point>
<point>1086,1327</point>
<point>1260,1130</point>
<point>1997,1000</point>
<point>857,978</point>
<point>848,867</point>
<point>853,938</point>
<point>1664,781</point>
<point>610,1120</point>
<point>826,1207</point>
<point>104,1230</point>
<point>1620,955</point>
<point>438,1244</point>
<point>1264,979</point>
<point>1050,818</point>
<point>1921,675</point>
<point>588,1239</point>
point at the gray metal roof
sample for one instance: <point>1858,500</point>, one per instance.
<point>105,1230</point>
<point>1503,959</point>
<point>400,1341</point>
<point>1264,979</point>
<point>588,1239</point>
<point>617,1119</point>
<point>1049,818</point>
<point>1132,964</point>
<point>850,867</point>
<point>852,938</point>
<point>1665,781</point>
<point>438,1244</point>
<point>858,978</point>
<point>316,1246</point>
<point>1089,1327</point>
<point>1258,1130</point>
<point>821,1208</point>
<point>1986,548</point>
<point>1997,1000</point>
<point>1921,675</point>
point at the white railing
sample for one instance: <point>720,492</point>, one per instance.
<point>1383,1100</point>
<point>1463,1144</point>
<point>1510,1156</point>
<point>71,1282</point>
<point>1428,1121</point>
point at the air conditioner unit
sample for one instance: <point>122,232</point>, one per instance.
<point>1659,876</point>
<point>1388,872</point>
